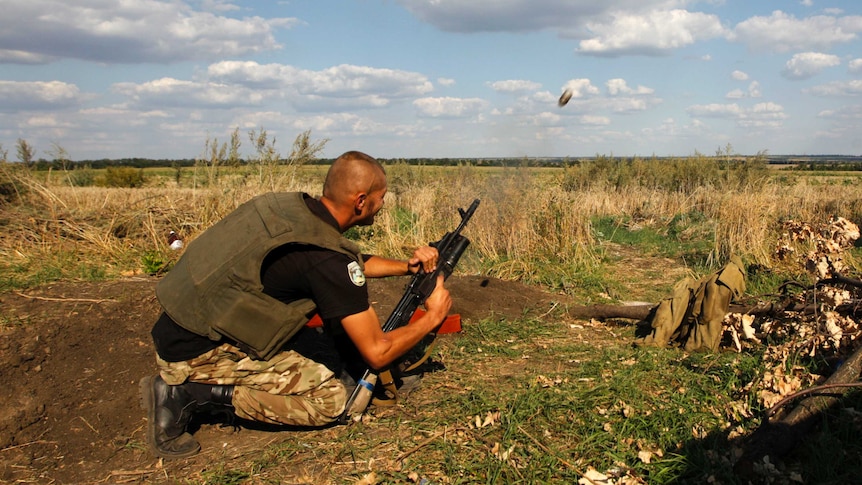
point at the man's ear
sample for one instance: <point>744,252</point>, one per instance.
<point>359,202</point>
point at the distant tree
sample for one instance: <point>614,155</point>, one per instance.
<point>60,156</point>
<point>304,150</point>
<point>26,153</point>
<point>233,158</point>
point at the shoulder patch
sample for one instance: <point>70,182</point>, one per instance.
<point>356,274</point>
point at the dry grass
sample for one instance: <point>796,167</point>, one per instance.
<point>528,219</point>
<point>606,403</point>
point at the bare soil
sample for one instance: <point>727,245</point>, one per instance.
<point>72,354</point>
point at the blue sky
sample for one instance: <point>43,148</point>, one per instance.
<point>432,78</point>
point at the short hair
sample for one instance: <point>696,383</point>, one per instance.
<point>353,172</point>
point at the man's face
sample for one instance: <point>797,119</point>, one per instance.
<point>373,204</point>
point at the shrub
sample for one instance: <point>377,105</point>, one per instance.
<point>82,177</point>
<point>125,177</point>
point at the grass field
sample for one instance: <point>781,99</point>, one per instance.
<point>601,232</point>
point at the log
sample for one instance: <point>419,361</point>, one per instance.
<point>776,438</point>
<point>641,312</point>
<point>767,309</point>
<point>606,312</point>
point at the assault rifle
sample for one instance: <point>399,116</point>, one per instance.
<point>422,284</point>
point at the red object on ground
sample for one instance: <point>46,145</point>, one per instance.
<point>452,323</point>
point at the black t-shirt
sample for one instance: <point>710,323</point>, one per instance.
<point>288,273</point>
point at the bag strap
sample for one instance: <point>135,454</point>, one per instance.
<point>385,378</point>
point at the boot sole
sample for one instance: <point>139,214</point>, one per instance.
<point>148,403</point>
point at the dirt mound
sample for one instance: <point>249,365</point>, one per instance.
<point>72,355</point>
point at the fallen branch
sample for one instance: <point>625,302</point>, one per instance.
<point>124,473</point>
<point>837,278</point>
<point>641,312</point>
<point>780,404</point>
<point>421,445</point>
<point>554,455</point>
<point>775,439</point>
<point>47,298</point>
<point>604,312</point>
<point>22,445</point>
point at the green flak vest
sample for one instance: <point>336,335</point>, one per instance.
<point>215,290</point>
<point>693,314</point>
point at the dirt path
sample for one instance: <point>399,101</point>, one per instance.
<point>72,354</point>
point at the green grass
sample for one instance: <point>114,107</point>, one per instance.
<point>549,406</point>
<point>686,236</point>
<point>537,401</point>
<point>50,267</point>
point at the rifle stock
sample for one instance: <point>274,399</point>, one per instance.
<point>450,248</point>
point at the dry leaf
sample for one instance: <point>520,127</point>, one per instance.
<point>593,476</point>
<point>502,455</point>
<point>644,456</point>
<point>368,479</point>
<point>628,411</point>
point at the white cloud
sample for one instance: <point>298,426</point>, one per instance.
<point>46,121</point>
<point>23,57</point>
<point>844,113</point>
<point>544,118</point>
<point>514,86</point>
<point>624,104</point>
<point>608,28</point>
<point>652,33</point>
<point>782,32</point>
<point>342,81</point>
<point>449,107</point>
<point>837,88</point>
<point>855,65</point>
<point>170,92</point>
<point>581,88</point>
<point>739,76</point>
<point>252,74</point>
<point>761,115</point>
<point>218,6</point>
<point>38,95</point>
<point>445,81</point>
<point>754,89</point>
<point>350,80</point>
<point>130,32</point>
<point>735,94</point>
<point>808,64</point>
<point>715,110</point>
<point>595,120</point>
<point>619,86</point>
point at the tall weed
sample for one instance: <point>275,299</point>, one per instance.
<point>544,226</point>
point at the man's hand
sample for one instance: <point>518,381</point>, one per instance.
<point>440,301</point>
<point>425,258</point>
<point>380,349</point>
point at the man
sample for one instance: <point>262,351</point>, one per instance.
<point>232,336</point>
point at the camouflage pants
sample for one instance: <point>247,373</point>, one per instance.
<point>287,389</point>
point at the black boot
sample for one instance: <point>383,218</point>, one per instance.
<point>170,409</point>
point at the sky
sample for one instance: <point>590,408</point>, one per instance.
<point>93,79</point>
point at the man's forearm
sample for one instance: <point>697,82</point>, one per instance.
<point>379,267</point>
